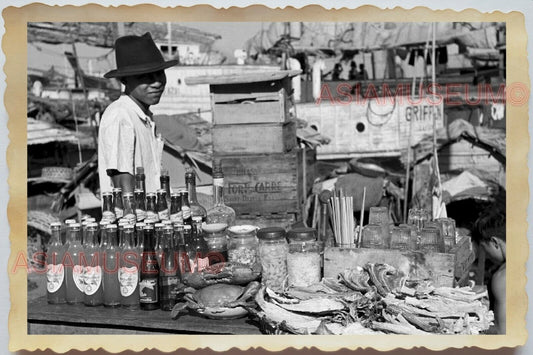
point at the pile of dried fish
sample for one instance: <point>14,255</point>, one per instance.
<point>374,299</point>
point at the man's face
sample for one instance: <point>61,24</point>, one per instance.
<point>146,88</point>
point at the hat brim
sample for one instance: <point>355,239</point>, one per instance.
<point>137,70</point>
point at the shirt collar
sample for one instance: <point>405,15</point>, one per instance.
<point>139,111</point>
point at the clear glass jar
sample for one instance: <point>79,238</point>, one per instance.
<point>216,237</point>
<point>304,261</point>
<point>273,250</point>
<point>373,237</point>
<point>243,244</point>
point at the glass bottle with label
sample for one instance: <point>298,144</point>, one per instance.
<point>183,252</point>
<point>151,207</point>
<point>108,209</point>
<point>111,257</point>
<point>168,272</point>
<point>140,179</point>
<point>149,280</point>
<point>129,208</point>
<point>55,271</point>
<point>185,208</point>
<point>140,205</point>
<point>74,266</point>
<point>128,273</point>
<point>220,213</point>
<point>162,206</point>
<point>94,291</point>
<point>196,208</point>
<point>117,200</point>
<point>176,215</point>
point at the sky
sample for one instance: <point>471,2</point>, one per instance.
<point>234,35</point>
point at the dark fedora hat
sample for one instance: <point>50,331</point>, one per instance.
<point>138,55</point>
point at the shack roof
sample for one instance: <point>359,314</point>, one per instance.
<point>241,78</point>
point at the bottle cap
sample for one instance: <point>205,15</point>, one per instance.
<point>117,189</point>
<point>301,234</point>
<point>55,225</point>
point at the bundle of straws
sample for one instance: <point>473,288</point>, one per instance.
<point>342,218</point>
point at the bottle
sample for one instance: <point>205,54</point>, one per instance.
<point>168,272</point>
<point>128,273</point>
<point>94,291</point>
<point>196,208</point>
<point>186,263</point>
<point>158,246</point>
<point>220,213</point>
<point>149,280</point>
<point>179,248</point>
<point>140,205</point>
<point>108,209</point>
<point>185,208</point>
<point>164,179</point>
<point>111,256</point>
<point>55,271</point>
<point>162,206</point>
<point>74,266</point>
<point>151,208</point>
<point>117,200</point>
<point>197,249</point>
<point>140,179</point>
<point>129,208</point>
<point>103,225</point>
<point>176,215</point>
<point>139,236</point>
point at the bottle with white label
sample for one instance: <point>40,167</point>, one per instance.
<point>128,274</point>
<point>74,261</point>
<point>55,271</point>
<point>168,272</point>
<point>94,291</point>
<point>117,201</point>
<point>129,208</point>
<point>162,206</point>
<point>110,259</point>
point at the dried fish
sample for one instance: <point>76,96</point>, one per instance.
<point>315,306</point>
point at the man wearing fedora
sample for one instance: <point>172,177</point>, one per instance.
<point>127,138</point>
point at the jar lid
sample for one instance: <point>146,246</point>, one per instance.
<point>242,229</point>
<point>271,233</point>
<point>213,227</point>
<point>302,234</point>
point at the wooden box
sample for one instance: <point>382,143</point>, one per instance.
<point>250,107</point>
<point>263,184</point>
<point>263,138</point>
<point>443,269</point>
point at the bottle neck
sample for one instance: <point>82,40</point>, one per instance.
<point>191,189</point>
<point>128,239</point>
<point>75,236</point>
<point>91,238</point>
<point>218,191</point>
<point>110,240</point>
<point>55,238</point>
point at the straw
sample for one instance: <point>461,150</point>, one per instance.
<point>361,218</point>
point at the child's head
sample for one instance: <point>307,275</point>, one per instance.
<point>489,229</point>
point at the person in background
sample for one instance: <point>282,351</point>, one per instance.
<point>352,75</point>
<point>127,137</point>
<point>362,75</point>
<point>337,70</point>
<point>319,66</point>
<point>489,233</point>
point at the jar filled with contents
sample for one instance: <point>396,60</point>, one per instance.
<point>304,258</point>
<point>216,239</point>
<point>273,250</point>
<point>242,248</point>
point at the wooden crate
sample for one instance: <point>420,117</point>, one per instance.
<point>250,107</point>
<point>283,220</point>
<point>443,269</point>
<point>267,183</point>
<point>263,138</point>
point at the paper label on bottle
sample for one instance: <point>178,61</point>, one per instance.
<point>169,280</point>
<point>198,264</point>
<point>148,291</point>
<point>218,182</point>
<point>176,218</point>
<point>128,278</point>
<point>186,212</point>
<point>130,217</point>
<point>163,214</point>
<point>141,214</point>
<point>55,274</point>
<point>151,216</point>
<point>79,277</point>
<point>108,215</point>
<point>93,279</point>
<point>119,212</point>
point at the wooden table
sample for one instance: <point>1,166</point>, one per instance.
<point>44,318</point>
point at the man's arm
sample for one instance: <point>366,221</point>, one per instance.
<point>125,181</point>
<point>498,290</point>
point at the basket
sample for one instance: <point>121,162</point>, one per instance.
<point>57,174</point>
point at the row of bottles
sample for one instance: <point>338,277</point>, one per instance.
<point>133,267</point>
